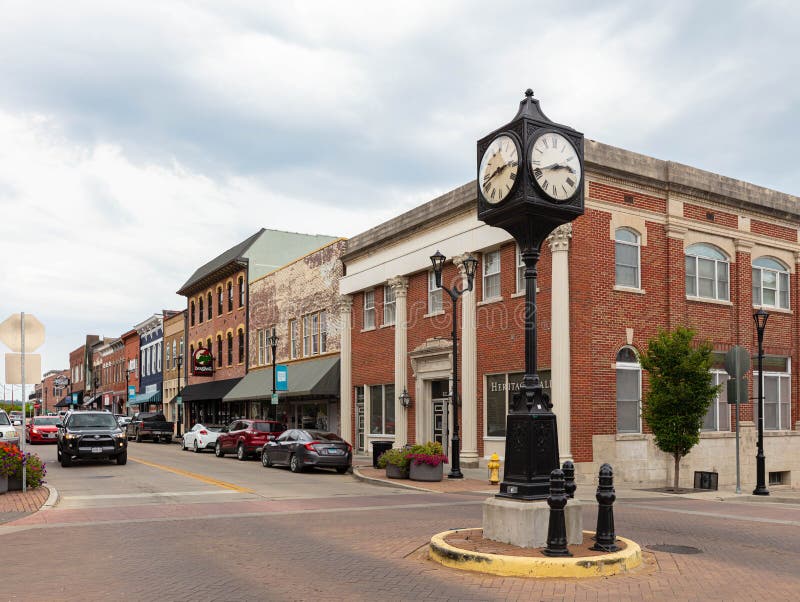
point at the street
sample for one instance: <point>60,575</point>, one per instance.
<point>177,525</point>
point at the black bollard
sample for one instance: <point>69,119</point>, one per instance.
<point>569,478</point>
<point>604,537</point>
<point>557,527</point>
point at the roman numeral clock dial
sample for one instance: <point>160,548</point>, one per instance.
<point>497,173</point>
<point>555,166</point>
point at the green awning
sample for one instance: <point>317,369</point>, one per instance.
<point>152,397</point>
<point>311,377</point>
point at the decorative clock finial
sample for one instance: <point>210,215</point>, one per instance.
<point>528,93</point>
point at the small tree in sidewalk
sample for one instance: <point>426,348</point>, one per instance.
<point>680,391</point>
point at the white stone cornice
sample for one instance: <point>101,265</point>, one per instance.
<point>676,231</point>
<point>559,238</point>
<point>399,285</point>
<point>345,304</point>
<point>743,246</point>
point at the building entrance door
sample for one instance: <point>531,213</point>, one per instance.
<point>359,418</point>
<point>439,398</point>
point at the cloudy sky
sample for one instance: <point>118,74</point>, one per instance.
<point>138,140</point>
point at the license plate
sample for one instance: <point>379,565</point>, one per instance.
<point>97,450</point>
<point>50,436</point>
<point>335,451</point>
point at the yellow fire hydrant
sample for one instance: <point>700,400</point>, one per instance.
<point>494,469</point>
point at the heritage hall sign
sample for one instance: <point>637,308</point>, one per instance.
<point>530,181</point>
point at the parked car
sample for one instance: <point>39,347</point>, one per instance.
<point>42,429</point>
<point>299,449</point>
<point>16,417</point>
<point>246,437</point>
<point>123,420</point>
<point>150,425</point>
<point>8,434</point>
<point>201,437</point>
<point>92,435</point>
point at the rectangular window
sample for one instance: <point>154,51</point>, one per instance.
<point>315,334</point>
<point>261,336</point>
<point>500,389</point>
<point>626,264</point>
<point>717,417</point>
<point>520,271</point>
<point>323,331</point>
<point>388,305</point>
<point>777,394</point>
<point>294,339</point>
<point>230,349</point>
<point>369,310</point>
<point>434,295</point>
<point>219,351</point>
<point>307,335</point>
<point>381,411</point>
<point>219,301</point>
<point>169,357</point>
<point>628,398</point>
<point>230,296</point>
<point>491,275</point>
<point>241,292</point>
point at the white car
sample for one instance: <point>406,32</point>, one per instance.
<point>200,437</point>
<point>16,418</point>
<point>8,434</point>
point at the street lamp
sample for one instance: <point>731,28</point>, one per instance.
<point>95,386</point>
<point>760,318</point>
<point>405,399</point>
<point>272,339</point>
<point>470,263</point>
<point>178,400</point>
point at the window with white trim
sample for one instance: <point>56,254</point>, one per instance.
<point>381,410</point>
<point>718,416</point>
<point>627,258</point>
<point>520,271</point>
<point>369,309</point>
<point>770,283</point>
<point>777,393</point>
<point>294,337</point>
<point>499,391</point>
<point>388,305</point>
<point>314,334</point>
<point>707,271</point>
<point>491,275</point>
<point>307,335</point>
<point>261,337</point>
<point>434,294</point>
<point>323,331</point>
<point>629,391</point>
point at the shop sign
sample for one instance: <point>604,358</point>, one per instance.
<point>202,362</point>
<point>281,378</point>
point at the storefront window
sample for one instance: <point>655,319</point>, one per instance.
<point>500,389</point>
<point>381,411</point>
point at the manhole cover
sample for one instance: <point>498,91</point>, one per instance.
<point>672,549</point>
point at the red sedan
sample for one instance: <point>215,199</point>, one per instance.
<point>42,429</point>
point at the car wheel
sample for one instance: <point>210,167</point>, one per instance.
<point>122,458</point>
<point>196,447</point>
<point>66,460</point>
<point>183,445</point>
<point>294,464</point>
<point>58,454</point>
<point>138,437</point>
<point>240,453</point>
<point>266,462</point>
<point>342,469</point>
<point>218,450</point>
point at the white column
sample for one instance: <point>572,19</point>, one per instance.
<point>346,369</point>
<point>469,372</point>
<point>559,339</point>
<point>399,285</point>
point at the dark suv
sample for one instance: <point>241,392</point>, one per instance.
<point>246,437</point>
<point>91,435</point>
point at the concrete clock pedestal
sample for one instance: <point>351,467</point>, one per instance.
<point>524,524</point>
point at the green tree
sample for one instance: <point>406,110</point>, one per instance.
<point>680,391</point>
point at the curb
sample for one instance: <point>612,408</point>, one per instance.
<point>603,565</point>
<point>382,483</point>
<point>52,499</point>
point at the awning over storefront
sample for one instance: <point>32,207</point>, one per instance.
<point>141,398</point>
<point>66,402</point>
<point>319,377</point>
<point>213,390</point>
<point>89,401</point>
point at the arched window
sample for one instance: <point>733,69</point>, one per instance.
<point>219,351</point>
<point>210,307</point>
<point>230,348</point>
<point>629,391</point>
<point>219,300</point>
<point>241,345</point>
<point>627,256</point>
<point>770,283</point>
<point>191,311</point>
<point>200,308</point>
<point>230,296</point>
<point>241,292</point>
<point>707,273</point>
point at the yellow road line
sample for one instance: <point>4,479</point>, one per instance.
<point>194,475</point>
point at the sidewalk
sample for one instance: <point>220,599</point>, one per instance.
<point>15,504</point>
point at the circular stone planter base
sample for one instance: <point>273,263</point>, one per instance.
<point>461,549</point>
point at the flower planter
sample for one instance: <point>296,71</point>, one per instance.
<point>426,472</point>
<point>15,483</point>
<point>3,484</point>
<point>396,472</point>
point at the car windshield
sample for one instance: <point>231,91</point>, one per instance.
<point>215,427</point>
<point>4,420</point>
<point>92,421</point>
<point>49,420</point>
<point>265,427</point>
<point>323,436</point>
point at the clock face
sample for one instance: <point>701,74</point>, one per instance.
<point>555,166</point>
<point>498,170</point>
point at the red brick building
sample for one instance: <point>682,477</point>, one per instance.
<point>660,245</point>
<point>130,342</point>
<point>80,369</point>
<point>51,394</point>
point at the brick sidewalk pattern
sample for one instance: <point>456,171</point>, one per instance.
<point>15,504</point>
<point>444,486</point>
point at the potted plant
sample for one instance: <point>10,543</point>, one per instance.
<point>396,462</point>
<point>427,461</point>
<point>11,459</point>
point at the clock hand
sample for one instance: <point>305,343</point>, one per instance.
<point>558,166</point>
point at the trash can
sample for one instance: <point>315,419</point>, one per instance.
<point>378,447</point>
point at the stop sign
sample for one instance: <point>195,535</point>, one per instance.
<point>10,332</point>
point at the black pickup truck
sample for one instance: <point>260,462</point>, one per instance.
<point>150,425</point>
